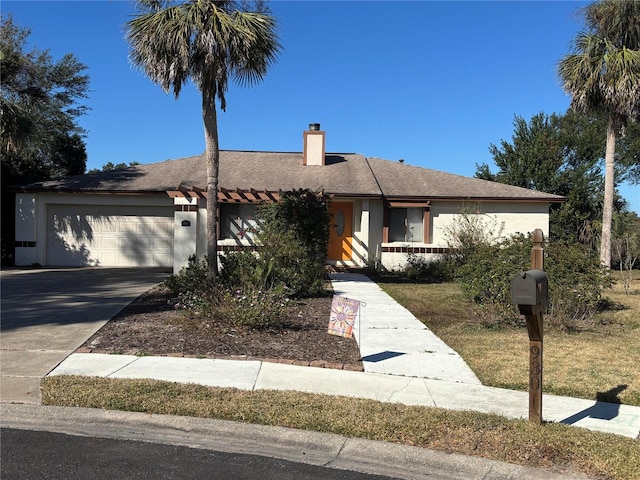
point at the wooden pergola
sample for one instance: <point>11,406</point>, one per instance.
<point>237,195</point>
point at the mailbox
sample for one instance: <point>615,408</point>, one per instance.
<point>529,290</point>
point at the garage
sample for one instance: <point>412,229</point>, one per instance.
<point>109,235</point>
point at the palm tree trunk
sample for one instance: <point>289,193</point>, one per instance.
<point>212,154</point>
<point>607,207</point>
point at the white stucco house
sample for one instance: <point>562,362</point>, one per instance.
<point>155,214</point>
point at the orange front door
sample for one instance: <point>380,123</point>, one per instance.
<point>341,231</point>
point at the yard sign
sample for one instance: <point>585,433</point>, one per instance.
<point>343,316</point>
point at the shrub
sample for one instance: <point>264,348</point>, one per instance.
<point>258,309</point>
<point>419,268</point>
<point>294,237</point>
<point>243,269</point>
<point>576,281</point>
<point>471,231</point>
<point>193,288</point>
<point>485,277</point>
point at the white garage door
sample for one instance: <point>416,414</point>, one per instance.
<point>109,236</point>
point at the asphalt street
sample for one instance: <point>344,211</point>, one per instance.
<point>35,455</point>
<point>252,443</point>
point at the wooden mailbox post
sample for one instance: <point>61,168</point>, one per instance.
<point>529,292</point>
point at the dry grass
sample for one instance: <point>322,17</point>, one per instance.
<point>587,364</point>
<point>555,446</point>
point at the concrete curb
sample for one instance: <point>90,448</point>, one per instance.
<point>329,450</point>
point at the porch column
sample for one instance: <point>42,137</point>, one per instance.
<point>365,233</point>
<point>185,231</point>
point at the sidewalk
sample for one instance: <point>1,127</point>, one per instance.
<point>404,362</point>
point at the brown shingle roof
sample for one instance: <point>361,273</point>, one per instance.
<point>401,180</point>
<point>343,174</point>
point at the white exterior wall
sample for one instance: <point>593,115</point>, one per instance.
<point>397,260</point>
<point>504,218</point>
<point>32,212</point>
<point>32,215</point>
<point>26,232</point>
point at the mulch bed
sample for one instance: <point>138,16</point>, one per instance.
<point>151,326</point>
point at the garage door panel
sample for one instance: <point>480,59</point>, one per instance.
<point>108,258</point>
<point>101,224</point>
<point>88,235</point>
<point>161,245</point>
<point>109,243</point>
<point>154,227</point>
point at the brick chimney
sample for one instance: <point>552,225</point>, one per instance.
<point>313,145</point>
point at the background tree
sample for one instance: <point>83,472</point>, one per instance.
<point>556,154</point>
<point>207,42</point>
<point>110,166</point>
<point>603,73</point>
<point>40,138</point>
<point>625,245</point>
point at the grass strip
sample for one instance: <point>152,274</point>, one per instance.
<point>554,446</point>
<point>600,363</point>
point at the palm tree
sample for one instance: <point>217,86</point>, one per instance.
<point>207,42</point>
<point>603,73</point>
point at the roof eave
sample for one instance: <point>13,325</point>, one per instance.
<point>476,198</point>
<point>86,191</point>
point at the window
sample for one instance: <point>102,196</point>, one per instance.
<point>406,225</point>
<point>237,221</point>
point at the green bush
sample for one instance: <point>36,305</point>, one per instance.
<point>193,288</point>
<point>293,235</point>
<point>419,268</point>
<point>294,238</point>
<point>485,277</point>
<point>303,213</point>
<point>576,281</point>
<point>258,309</point>
<point>241,269</point>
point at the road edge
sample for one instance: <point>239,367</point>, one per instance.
<point>301,446</point>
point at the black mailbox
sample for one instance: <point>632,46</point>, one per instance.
<point>529,290</point>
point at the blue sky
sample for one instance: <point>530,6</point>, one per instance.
<point>433,83</point>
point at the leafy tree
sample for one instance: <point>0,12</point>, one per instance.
<point>627,158</point>
<point>40,103</point>
<point>110,166</point>
<point>556,154</point>
<point>207,42</point>
<point>603,73</point>
<point>625,245</point>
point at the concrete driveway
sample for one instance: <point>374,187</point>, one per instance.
<point>47,314</point>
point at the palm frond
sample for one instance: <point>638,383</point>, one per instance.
<point>207,42</point>
<point>598,74</point>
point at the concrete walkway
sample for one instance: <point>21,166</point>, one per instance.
<point>393,341</point>
<point>404,362</point>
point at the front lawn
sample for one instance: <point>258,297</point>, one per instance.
<point>601,362</point>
